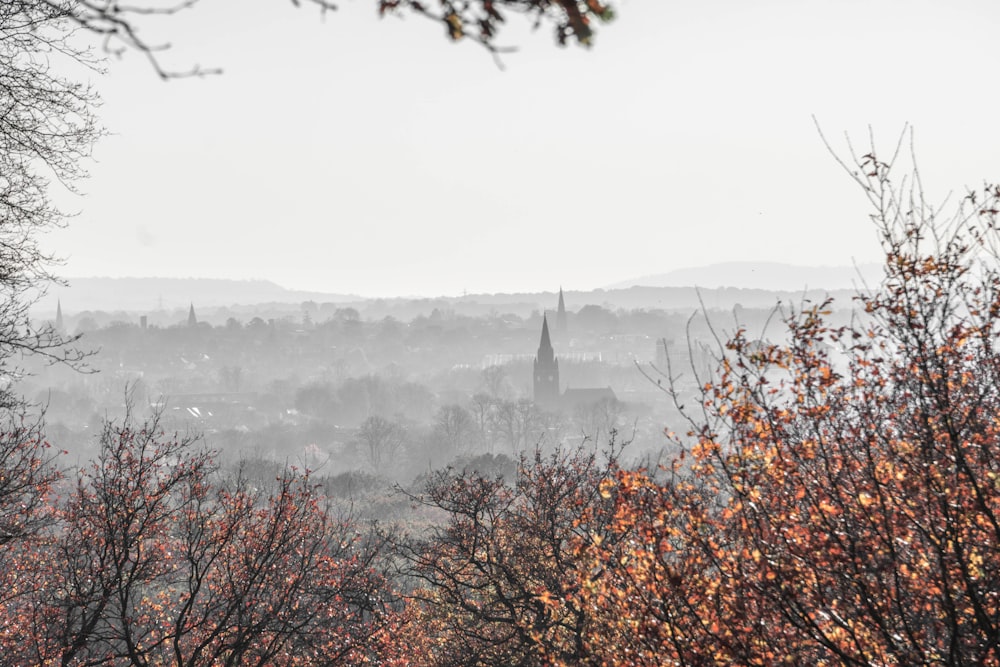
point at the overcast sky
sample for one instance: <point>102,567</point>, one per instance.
<point>375,157</point>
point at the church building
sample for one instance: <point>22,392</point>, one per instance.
<point>546,379</point>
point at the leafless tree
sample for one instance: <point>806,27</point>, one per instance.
<point>454,429</point>
<point>47,128</point>
<point>596,420</point>
<point>521,424</point>
<point>380,440</point>
<point>495,382</point>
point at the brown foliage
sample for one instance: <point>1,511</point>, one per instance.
<point>156,559</point>
<point>494,583</point>
<point>842,503</point>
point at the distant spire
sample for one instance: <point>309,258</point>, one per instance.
<point>561,314</point>
<point>192,320</point>
<point>59,317</point>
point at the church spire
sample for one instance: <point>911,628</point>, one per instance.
<point>192,320</point>
<point>546,371</point>
<point>545,350</point>
<point>59,317</point>
<point>561,315</point>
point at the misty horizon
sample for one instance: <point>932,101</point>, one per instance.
<point>770,276</point>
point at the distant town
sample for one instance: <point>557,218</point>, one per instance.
<point>393,387</point>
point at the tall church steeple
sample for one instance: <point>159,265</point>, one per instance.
<point>561,316</point>
<point>546,371</point>
<point>59,317</point>
<point>192,320</point>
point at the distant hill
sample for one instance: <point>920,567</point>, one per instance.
<point>147,294</point>
<point>771,276</point>
<point>720,286</point>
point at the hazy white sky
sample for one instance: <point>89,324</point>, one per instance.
<point>375,157</point>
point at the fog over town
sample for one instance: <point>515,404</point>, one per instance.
<point>454,378</point>
<point>499,332</point>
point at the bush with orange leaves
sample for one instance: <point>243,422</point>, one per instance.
<point>840,500</point>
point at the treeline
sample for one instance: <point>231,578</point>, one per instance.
<point>400,448</point>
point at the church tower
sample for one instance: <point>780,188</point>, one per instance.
<point>192,319</point>
<point>561,317</point>
<point>59,317</point>
<point>546,371</point>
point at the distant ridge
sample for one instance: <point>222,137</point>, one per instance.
<point>148,294</point>
<point>719,286</point>
<point>772,276</point>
